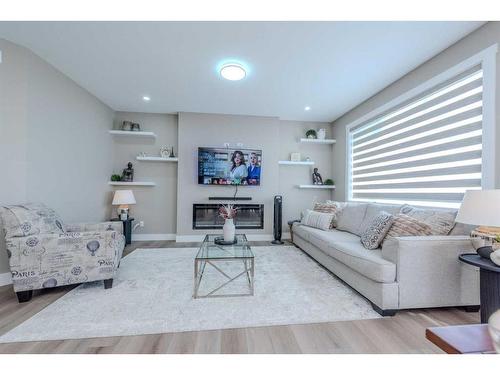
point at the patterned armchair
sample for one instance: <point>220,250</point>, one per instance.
<point>45,253</point>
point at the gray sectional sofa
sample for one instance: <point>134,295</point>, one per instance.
<point>405,273</point>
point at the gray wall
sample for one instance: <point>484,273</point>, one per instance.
<point>275,138</point>
<point>54,141</point>
<point>156,205</point>
<point>473,43</point>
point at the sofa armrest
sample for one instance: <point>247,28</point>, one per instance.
<point>47,260</point>
<point>429,272</point>
<point>95,227</point>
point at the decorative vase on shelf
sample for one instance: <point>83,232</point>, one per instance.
<point>321,134</point>
<point>229,230</point>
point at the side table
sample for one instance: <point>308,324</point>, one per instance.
<point>489,281</point>
<point>127,229</point>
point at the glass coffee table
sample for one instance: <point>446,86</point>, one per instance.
<point>213,255</point>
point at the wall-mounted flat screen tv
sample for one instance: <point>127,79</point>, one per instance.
<point>226,166</point>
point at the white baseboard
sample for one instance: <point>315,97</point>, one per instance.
<point>153,237</point>
<point>250,237</point>
<point>5,279</point>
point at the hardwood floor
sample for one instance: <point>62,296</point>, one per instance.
<point>403,333</point>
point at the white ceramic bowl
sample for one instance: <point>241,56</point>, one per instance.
<point>494,328</point>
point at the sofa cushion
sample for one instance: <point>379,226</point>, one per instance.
<point>320,220</point>
<point>346,248</point>
<point>29,219</point>
<point>351,217</point>
<point>374,234</point>
<point>404,226</point>
<point>368,263</point>
<point>329,207</point>
<point>441,221</point>
<point>374,209</point>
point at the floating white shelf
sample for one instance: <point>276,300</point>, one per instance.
<point>288,162</point>
<point>322,141</point>
<point>316,186</point>
<point>134,183</point>
<point>132,133</point>
<point>157,158</point>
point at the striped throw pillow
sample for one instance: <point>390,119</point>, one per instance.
<point>404,226</point>
<point>329,207</point>
<point>316,219</point>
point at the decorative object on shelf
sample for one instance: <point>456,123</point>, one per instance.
<point>228,212</point>
<point>122,199</point>
<point>116,177</point>
<point>128,173</point>
<point>311,133</point>
<point>494,328</point>
<point>172,155</point>
<point>127,126</point>
<point>136,127</point>
<point>316,177</point>
<point>321,134</point>
<point>142,154</point>
<point>164,152</point>
<point>481,207</point>
<point>329,181</point>
<point>308,158</point>
<point>295,156</point>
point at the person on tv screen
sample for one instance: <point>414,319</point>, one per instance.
<point>253,170</point>
<point>238,168</point>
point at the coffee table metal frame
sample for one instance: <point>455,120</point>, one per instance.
<point>247,259</point>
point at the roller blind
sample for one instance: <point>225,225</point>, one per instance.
<point>426,151</point>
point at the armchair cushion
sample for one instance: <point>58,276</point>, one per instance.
<point>30,219</point>
<point>49,260</point>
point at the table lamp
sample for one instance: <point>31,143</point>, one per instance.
<point>482,207</point>
<point>122,199</point>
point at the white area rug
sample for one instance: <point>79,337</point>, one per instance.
<point>152,293</point>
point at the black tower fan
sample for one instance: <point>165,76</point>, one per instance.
<point>278,205</point>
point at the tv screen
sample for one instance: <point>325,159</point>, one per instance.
<point>226,166</point>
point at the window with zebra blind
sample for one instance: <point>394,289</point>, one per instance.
<point>427,150</point>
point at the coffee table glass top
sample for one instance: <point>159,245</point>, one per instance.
<point>210,250</point>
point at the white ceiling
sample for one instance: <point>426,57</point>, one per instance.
<point>330,66</point>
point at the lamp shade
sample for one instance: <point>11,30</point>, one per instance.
<point>123,197</point>
<point>480,207</point>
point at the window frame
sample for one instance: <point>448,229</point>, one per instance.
<point>487,59</point>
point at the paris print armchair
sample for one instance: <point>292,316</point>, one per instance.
<point>45,253</point>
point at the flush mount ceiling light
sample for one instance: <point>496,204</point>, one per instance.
<point>146,98</point>
<point>307,108</point>
<point>233,72</point>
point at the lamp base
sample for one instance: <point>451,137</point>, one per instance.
<point>485,251</point>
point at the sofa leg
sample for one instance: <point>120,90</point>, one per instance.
<point>383,312</point>
<point>24,296</point>
<point>108,284</point>
<point>471,308</point>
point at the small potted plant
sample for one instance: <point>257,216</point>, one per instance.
<point>228,212</point>
<point>311,133</point>
<point>329,181</point>
<point>116,177</point>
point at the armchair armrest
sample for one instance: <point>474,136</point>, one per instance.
<point>48,260</point>
<point>95,227</point>
<point>429,272</point>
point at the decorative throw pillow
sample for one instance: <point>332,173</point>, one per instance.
<point>29,219</point>
<point>375,233</point>
<point>316,219</point>
<point>441,222</point>
<point>330,207</point>
<point>404,226</point>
